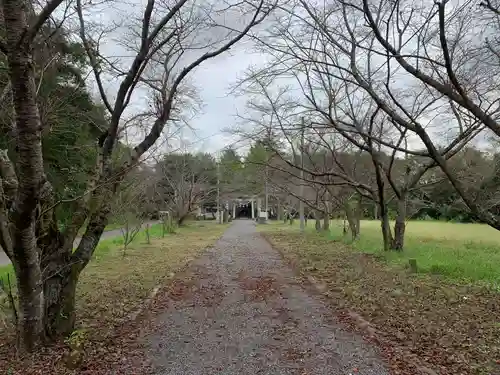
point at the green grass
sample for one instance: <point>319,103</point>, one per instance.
<point>110,226</point>
<point>466,252</point>
<point>113,284</point>
<point>430,315</point>
<point>149,259</point>
<point>112,287</point>
<point>105,246</point>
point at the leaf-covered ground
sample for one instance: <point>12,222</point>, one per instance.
<point>452,327</point>
<point>111,289</point>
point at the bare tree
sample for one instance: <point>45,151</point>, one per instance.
<point>460,71</point>
<point>47,269</point>
<point>128,208</point>
<point>348,87</point>
<point>184,183</point>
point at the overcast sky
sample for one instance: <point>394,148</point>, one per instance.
<point>213,79</point>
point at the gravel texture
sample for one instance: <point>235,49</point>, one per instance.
<point>239,310</point>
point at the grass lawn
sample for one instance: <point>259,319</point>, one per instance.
<point>113,285</point>
<point>102,248</point>
<point>452,324</point>
<point>110,226</point>
<point>466,252</point>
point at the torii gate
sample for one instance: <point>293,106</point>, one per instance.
<point>255,203</point>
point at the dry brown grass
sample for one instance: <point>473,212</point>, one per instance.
<point>115,285</point>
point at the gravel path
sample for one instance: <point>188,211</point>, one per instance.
<point>238,310</point>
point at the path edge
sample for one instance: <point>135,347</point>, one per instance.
<point>147,303</point>
<point>369,332</point>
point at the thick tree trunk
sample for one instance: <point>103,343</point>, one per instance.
<point>60,290</point>
<point>326,222</point>
<point>353,222</point>
<point>30,331</point>
<point>358,215</point>
<point>326,217</point>
<point>384,212</point>
<point>386,227</point>
<point>57,269</point>
<point>61,274</point>
<point>181,219</point>
<point>62,271</point>
<point>400,226</point>
<point>25,255</point>
<point>317,221</point>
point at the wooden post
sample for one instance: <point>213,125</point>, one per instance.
<point>413,265</point>
<point>280,211</point>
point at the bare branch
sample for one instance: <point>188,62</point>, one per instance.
<point>44,15</point>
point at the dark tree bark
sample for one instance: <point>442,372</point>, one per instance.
<point>24,253</point>
<point>326,222</point>
<point>280,210</point>
<point>59,281</point>
<point>62,273</point>
<point>317,221</point>
<point>384,212</point>
<point>359,214</point>
<point>60,290</point>
<point>181,219</point>
<point>326,218</point>
<point>352,220</point>
<point>386,227</point>
<point>46,267</point>
<point>400,225</point>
